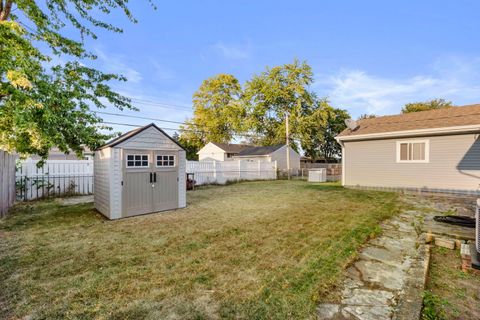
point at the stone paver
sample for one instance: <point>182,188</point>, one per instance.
<point>388,273</point>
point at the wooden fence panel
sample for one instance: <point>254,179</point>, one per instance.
<point>7,183</point>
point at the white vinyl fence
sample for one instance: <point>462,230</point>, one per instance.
<point>207,172</point>
<point>55,178</point>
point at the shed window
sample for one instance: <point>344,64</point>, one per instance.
<point>165,161</point>
<point>413,151</point>
<point>137,160</point>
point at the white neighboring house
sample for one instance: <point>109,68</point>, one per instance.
<point>220,151</point>
<point>273,153</point>
<point>228,151</point>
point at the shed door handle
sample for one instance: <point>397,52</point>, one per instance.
<point>155,177</point>
<point>150,177</point>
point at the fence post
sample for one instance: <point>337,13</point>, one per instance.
<point>275,174</point>
<point>214,171</point>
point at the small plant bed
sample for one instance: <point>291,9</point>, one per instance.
<point>450,293</point>
<point>264,250</point>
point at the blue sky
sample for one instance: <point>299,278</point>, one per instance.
<point>367,56</point>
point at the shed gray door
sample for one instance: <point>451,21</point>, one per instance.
<point>149,182</point>
<point>165,192</point>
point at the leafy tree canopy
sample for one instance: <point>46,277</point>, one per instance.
<point>224,110</point>
<point>318,129</point>
<point>272,94</point>
<point>428,105</point>
<point>44,104</point>
<point>218,112</point>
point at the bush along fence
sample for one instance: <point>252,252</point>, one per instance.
<point>216,172</point>
<point>7,182</point>
<point>55,178</point>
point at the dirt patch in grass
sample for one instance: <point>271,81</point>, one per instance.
<point>451,293</point>
<point>249,250</point>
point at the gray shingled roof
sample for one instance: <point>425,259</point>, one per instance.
<point>231,147</point>
<point>440,118</point>
<point>260,151</point>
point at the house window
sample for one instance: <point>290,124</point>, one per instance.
<point>230,155</point>
<point>165,161</point>
<point>414,151</point>
<point>137,160</point>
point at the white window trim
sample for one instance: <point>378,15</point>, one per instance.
<point>137,154</point>
<point>427,151</point>
<point>161,155</point>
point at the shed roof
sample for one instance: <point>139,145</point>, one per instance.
<point>260,151</point>
<point>134,132</point>
<point>440,118</point>
<point>231,147</point>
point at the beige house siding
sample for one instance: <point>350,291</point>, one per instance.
<point>101,184</point>
<point>116,184</point>
<point>280,156</point>
<point>182,165</point>
<point>212,152</point>
<point>149,139</point>
<point>454,164</point>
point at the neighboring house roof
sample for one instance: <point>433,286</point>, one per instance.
<point>455,119</point>
<point>259,151</point>
<point>231,148</point>
<point>134,132</point>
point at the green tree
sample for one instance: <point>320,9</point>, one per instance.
<point>190,147</point>
<point>367,116</point>
<point>428,105</point>
<point>272,94</point>
<point>41,105</point>
<point>319,128</point>
<point>218,112</point>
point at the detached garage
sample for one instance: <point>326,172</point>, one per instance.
<point>140,172</point>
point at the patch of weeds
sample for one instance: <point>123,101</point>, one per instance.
<point>442,250</point>
<point>434,307</point>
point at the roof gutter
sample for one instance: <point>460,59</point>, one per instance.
<point>411,133</point>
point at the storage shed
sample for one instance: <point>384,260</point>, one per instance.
<point>140,172</point>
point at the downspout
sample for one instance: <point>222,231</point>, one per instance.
<point>343,159</point>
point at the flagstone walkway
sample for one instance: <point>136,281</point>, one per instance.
<point>387,279</point>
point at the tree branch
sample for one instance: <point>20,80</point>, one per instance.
<point>5,13</point>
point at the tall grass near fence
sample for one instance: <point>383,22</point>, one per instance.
<point>54,178</point>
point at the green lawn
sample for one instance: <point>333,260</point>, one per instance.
<point>248,250</point>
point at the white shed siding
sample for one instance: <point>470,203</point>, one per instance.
<point>101,184</point>
<point>182,164</point>
<point>454,164</point>
<point>149,139</point>
<point>211,152</point>
<point>116,184</point>
<point>280,156</point>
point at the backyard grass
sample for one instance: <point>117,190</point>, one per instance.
<point>451,293</point>
<point>253,250</point>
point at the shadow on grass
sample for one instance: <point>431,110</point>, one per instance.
<point>325,186</point>
<point>49,214</point>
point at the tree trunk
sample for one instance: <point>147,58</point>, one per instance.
<point>5,9</point>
